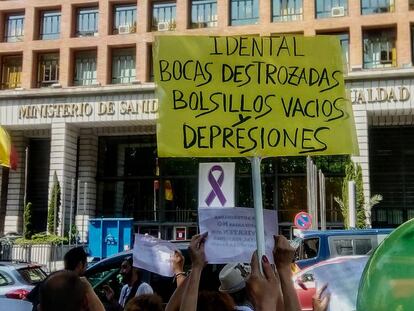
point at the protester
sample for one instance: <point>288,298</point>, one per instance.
<point>233,282</point>
<point>147,302</point>
<point>133,287</point>
<point>66,291</point>
<point>214,301</point>
<point>284,254</point>
<point>320,301</point>
<point>208,300</point>
<point>74,260</point>
<point>264,290</point>
<point>178,267</point>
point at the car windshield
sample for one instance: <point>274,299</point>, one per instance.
<point>101,277</point>
<point>32,275</point>
<point>296,242</point>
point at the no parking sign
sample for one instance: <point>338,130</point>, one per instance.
<point>303,221</point>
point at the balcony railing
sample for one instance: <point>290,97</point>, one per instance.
<point>176,216</point>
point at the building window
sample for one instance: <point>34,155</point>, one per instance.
<point>150,64</point>
<point>11,72</point>
<point>125,19</point>
<point>85,68</point>
<point>203,13</point>
<point>376,6</point>
<point>287,10</point>
<point>344,41</point>
<point>163,16</point>
<point>48,71</point>
<point>50,25</point>
<point>244,12</point>
<point>379,48</point>
<point>411,4</point>
<point>14,28</point>
<point>331,8</point>
<point>412,44</point>
<point>123,65</point>
<point>87,22</point>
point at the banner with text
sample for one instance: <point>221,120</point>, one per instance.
<point>251,96</point>
<point>232,233</point>
<point>153,254</point>
<point>216,184</point>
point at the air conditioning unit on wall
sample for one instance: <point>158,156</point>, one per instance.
<point>338,11</point>
<point>124,29</point>
<point>163,26</point>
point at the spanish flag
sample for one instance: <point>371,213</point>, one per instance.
<point>7,154</point>
<point>169,195</point>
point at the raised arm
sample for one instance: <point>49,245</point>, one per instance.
<point>178,267</point>
<point>94,303</point>
<point>175,300</point>
<point>264,290</point>
<point>198,262</point>
<point>320,301</point>
<point>284,255</point>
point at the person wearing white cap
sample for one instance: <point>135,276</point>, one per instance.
<point>233,282</point>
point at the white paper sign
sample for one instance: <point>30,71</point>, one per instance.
<point>153,254</point>
<point>232,233</point>
<point>343,279</point>
<point>216,184</point>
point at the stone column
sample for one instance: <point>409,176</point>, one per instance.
<point>361,123</point>
<point>14,212</point>
<point>88,157</point>
<point>223,15</point>
<point>63,154</point>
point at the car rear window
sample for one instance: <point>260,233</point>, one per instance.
<point>32,275</point>
<point>5,279</point>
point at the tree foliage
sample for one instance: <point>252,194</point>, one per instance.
<point>27,221</point>
<point>54,205</point>
<point>353,172</point>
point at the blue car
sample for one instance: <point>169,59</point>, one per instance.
<point>315,246</point>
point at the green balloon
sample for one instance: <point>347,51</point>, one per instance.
<point>387,283</point>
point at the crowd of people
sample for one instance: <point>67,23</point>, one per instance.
<point>242,286</point>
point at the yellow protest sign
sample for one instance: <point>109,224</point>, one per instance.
<point>251,96</point>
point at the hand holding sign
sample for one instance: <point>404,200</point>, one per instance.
<point>198,257</point>
<point>264,290</point>
<point>153,255</point>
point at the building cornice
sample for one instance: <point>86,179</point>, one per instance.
<point>353,76</point>
<point>73,91</point>
<point>382,74</point>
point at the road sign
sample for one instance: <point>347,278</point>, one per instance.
<point>303,221</point>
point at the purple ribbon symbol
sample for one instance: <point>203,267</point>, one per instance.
<point>216,186</point>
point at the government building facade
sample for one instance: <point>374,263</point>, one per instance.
<point>78,98</point>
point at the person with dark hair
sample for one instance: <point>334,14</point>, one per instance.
<point>74,260</point>
<point>66,291</point>
<point>147,302</point>
<point>133,287</point>
<point>187,296</point>
<point>214,301</point>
